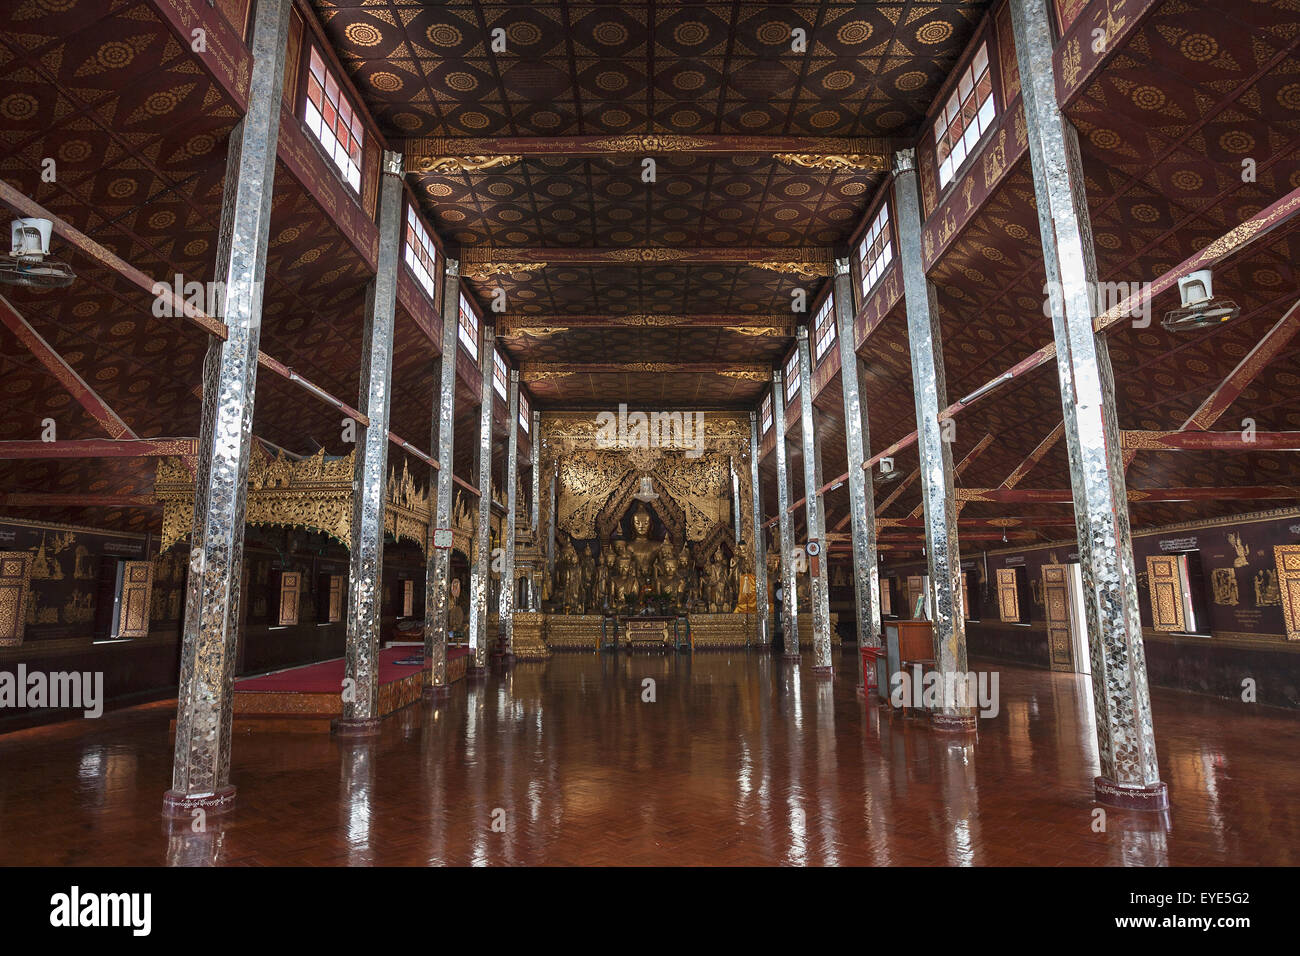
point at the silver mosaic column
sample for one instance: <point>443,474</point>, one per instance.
<point>1130,772</point>
<point>534,590</point>
<point>760,548</point>
<point>813,510</point>
<point>481,568</point>
<point>790,598</point>
<point>361,717</point>
<point>862,497</point>
<point>930,391</point>
<point>437,579</point>
<point>508,537</point>
<point>201,768</point>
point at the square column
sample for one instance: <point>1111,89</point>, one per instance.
<point>370,471</point>
<point>862,496</point>
<point>437,576</point>
<point>201,767</point>
<point>789,597</point>
<point>534,590</point>
<point>760,548</point>
<point>812,482</point>
<point>930,391</point>
<point>482,560</point>
<point>508,538</point>
<point>1130,772</point>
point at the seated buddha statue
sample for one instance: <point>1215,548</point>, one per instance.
<point>644,551</point>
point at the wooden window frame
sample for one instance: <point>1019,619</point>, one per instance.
<point>327,111</point>
<point>875,251</point>
<point>966,116</point>
<point>469,327</point>
<point>824,328</point>
<point>420,252</point>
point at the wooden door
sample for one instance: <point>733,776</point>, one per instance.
<point>1287,558</point>
<point>915,588</point>
<point>1008,596</point>
<point>137,585</point>
<point>1056,605</point>
<point>289,587</point>
<point>1166,586</point>
<point>336,598</point>
<point>15,575</point>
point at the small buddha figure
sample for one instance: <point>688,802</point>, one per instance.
<point>587,572</point>
<point>455,614</point>
<point>600,584</point>
<point>746,593</point>
<point>668,573</point>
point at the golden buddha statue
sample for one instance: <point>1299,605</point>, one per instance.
<point>644,551</point>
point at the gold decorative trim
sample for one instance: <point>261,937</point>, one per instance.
<point>803,269</point>
<point>313,493</point>
<point>650,142</point>
<point>485,270</point>
<point>835,162</point>
<point>450,165</point>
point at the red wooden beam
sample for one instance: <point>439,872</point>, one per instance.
<point>66,375</point>
<point>1193,440</point>
<point>1008,522</point>
<point>55,500</point>
<point>1265,350</point>
<point>1035,456</point>
<point>1063,496</point>
<point>100,448</point>
<point>959,468</point>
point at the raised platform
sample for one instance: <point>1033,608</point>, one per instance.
<point>806,630</point>
<point>306,699</point>
<point>722,631</point>
<point>573,632</point>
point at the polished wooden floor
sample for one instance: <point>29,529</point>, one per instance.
<point>740,759</point>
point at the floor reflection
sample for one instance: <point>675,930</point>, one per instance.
<point>724,758</point>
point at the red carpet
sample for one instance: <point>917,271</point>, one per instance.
<point>327,676</point>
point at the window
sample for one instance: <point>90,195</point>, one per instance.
<point>765,413</point>
<point>468,327</point>
<point>499,375</point>
<point>421,253</point>
<point>876,251</point>
<point>333,122</point>
<point>887,596</point>
<point>408,598</point>
<point>824,327</point>
<point>524,421</point>
<point>965,117</point>
<point>791,376</point>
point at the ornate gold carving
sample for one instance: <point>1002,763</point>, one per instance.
<point>313,493</point>
<point>747,376</point>
<point>780,331</point>
<point>804,269</point>
<point>852,162</point>
<point>543,375</point>
<point>464,164</point>
<point>651,142</point>
<point>485,270</point>
<point>645,255</point>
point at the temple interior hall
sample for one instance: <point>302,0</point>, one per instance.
<point>653,433</point>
